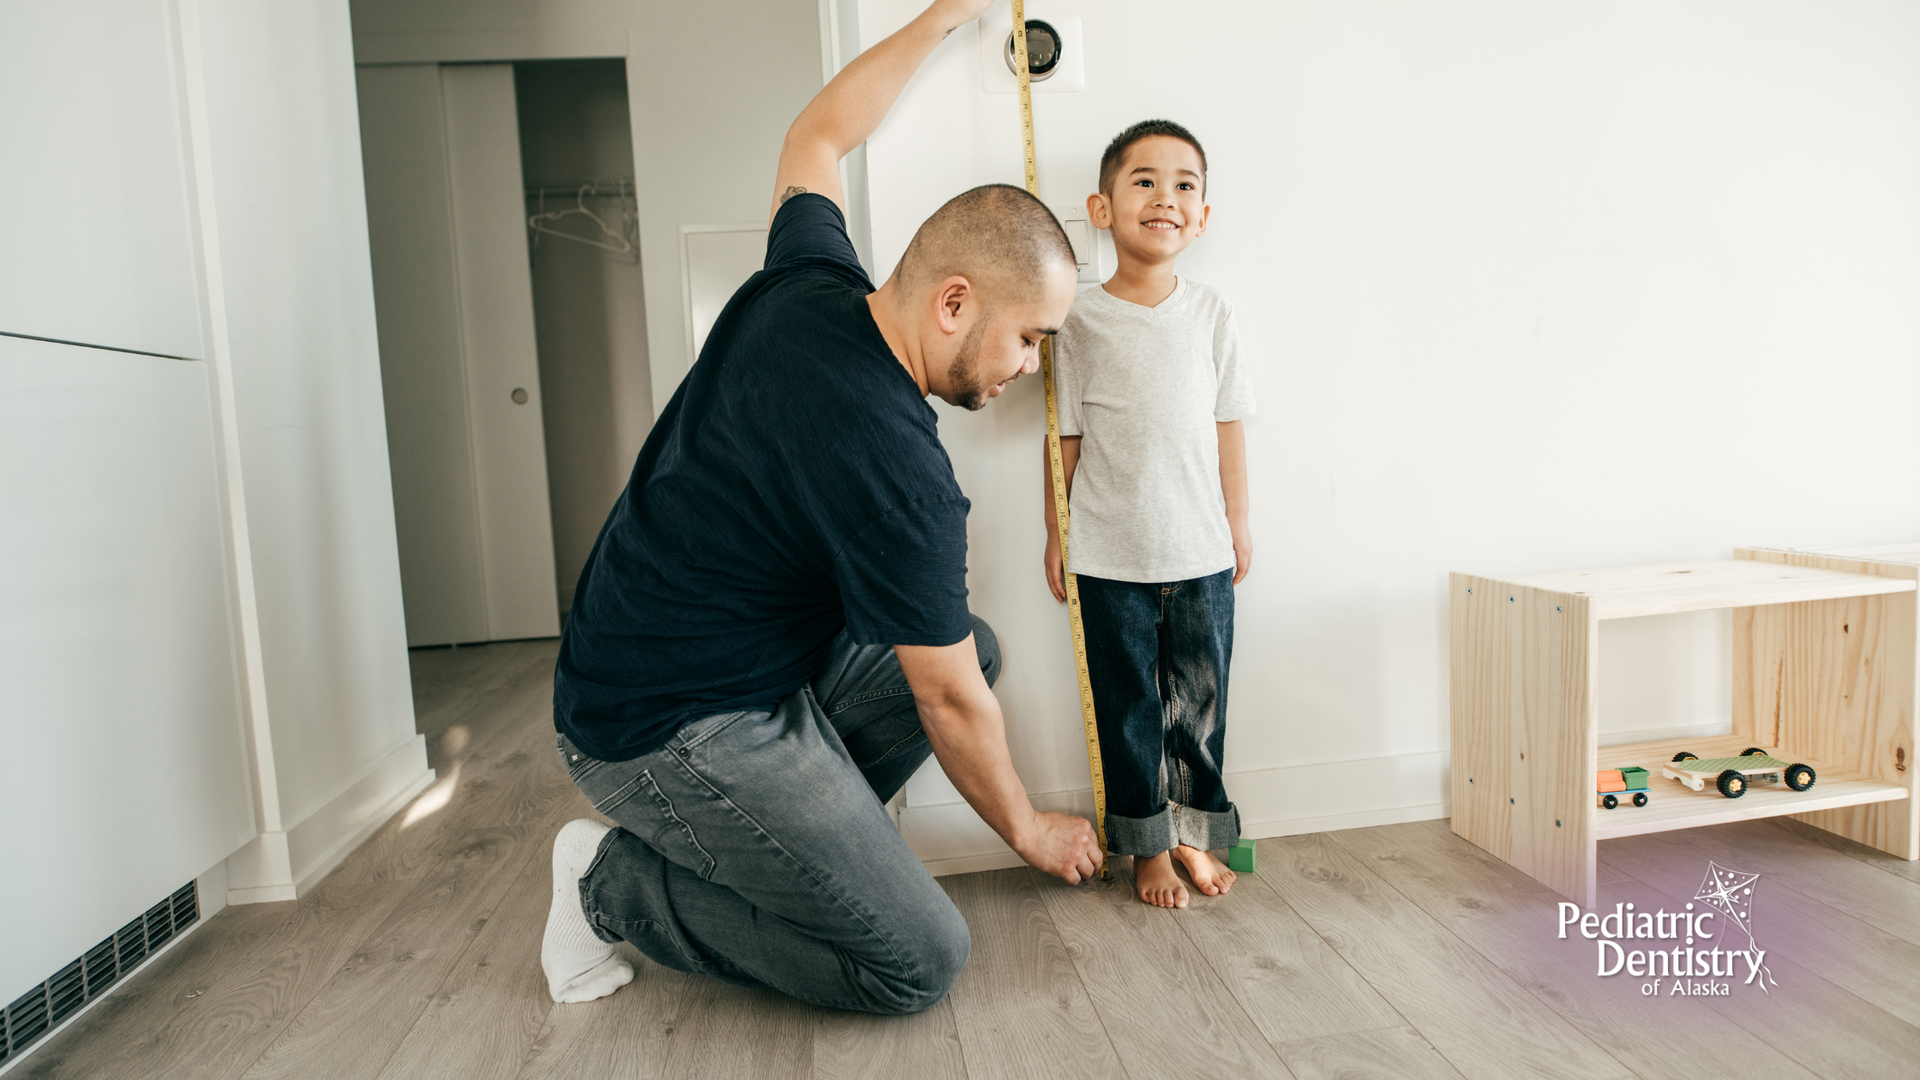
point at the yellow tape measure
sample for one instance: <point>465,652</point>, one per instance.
<point>1057,469</point>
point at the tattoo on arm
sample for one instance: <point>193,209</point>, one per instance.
<point>791,192</point>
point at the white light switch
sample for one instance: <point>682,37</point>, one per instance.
<point>1085,240</point>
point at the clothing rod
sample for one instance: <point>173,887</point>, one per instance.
<point>592,187</point>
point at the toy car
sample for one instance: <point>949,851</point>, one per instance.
<point>1616,784</point>
<point>1732,774</point>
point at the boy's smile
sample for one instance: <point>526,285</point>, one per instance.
<point>1158,203</point>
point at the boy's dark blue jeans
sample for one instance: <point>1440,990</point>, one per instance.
<point>1157,656</point>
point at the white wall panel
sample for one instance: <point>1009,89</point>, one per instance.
<point>284,144</point>
<point>99,242</point>
<point>122,753</point>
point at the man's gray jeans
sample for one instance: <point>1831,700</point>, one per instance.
<point>755,847</point>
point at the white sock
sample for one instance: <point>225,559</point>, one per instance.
<point>579,966</point>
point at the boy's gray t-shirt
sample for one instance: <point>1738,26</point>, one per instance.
<point>1143,388</point>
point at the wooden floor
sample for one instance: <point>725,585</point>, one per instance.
<point>1398,952</point>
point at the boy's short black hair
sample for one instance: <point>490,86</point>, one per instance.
<point>1146,129</point>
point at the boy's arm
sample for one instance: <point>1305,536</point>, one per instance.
<point>849,108</point>
<point>1233,485</point>
<point>1069,458</point>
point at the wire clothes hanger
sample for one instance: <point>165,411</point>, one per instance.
<point>542,221</point>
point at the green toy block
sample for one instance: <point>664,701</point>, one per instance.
<point>1240,857</point>
<point>1635,776</point>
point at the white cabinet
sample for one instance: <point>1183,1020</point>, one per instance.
<point>457,352</point>
<point>122,756</point>
<point>99,245</point>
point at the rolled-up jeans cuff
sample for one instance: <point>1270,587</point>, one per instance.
<point>1204,829</point>
<point>1175,824</point>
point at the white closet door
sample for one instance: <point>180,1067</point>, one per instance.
<point>410,223</point>
<point>447,213</point>
<point>497,340</point>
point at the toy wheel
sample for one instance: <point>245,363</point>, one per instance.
<point>1732,784</point>
<point>1799,777</point>
<point>1751,750</point>
<point>1639,798</point>
<point>1684,756</point>
<point>1609,801</point>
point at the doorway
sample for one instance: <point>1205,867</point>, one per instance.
<point>501,215</point>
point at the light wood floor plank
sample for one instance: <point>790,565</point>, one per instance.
<point>136,1031</point>
<point>1873,857</point>
<point>1511,919</point>
<point>1870,963</point>
<point>483,1019</point>
<point>1826,1029</point>
<point>860,1046</point>
<point>1484,1024</point>
<point>731,1033</point>
<point>1284,975</point>
<point>1395,1053</point>
<point>621,1037</point>
<point>355,1023</point>
<point>1157,996</point>
<point>1884,901</point>
<point>1019,1007</point>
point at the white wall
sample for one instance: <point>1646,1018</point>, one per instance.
<point>284,142</point>
<point>711,86</point>
<point>1528,287</point>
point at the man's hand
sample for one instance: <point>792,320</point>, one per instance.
<point>962,721</point>
<point>849,108</point>
<point>1062,845</point>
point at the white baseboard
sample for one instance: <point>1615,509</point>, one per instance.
<point>281,866</point>
<point>951,839</point>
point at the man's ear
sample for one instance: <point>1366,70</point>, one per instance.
<point>1100,211</point>
<point>954,301</point>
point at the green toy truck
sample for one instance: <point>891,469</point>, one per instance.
<point>1613,785</point>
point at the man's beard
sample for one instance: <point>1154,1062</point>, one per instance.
<point>964,386</point>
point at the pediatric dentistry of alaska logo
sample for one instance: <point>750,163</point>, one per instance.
<point>1724,894</point>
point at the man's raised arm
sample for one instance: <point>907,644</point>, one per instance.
<point>847,109</point>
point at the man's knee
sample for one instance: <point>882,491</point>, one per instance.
<point>944,946</point>
<point>987,644</point>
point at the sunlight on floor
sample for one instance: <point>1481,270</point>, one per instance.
<point>432,800</point>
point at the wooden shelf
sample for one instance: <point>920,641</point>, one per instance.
<point>1826,667</point>
<point>1630,591</point>
<point>1673,805</point>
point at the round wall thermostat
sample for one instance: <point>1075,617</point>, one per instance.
<point>1043,51</point>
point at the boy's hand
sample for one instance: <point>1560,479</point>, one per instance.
<point>1242,551</point>
<point>1056,580</point>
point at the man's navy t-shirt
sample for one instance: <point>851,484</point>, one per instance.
<point>794,485</point>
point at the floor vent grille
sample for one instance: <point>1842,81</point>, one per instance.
<point>42,1008</point>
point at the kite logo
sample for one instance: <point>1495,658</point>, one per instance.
<point>1725,898</point>
<point>1730,892</point>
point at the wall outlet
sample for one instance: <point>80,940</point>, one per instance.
<point>1069,77</point>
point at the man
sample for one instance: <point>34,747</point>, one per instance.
<point>771,633</point>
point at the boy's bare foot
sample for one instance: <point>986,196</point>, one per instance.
<point>1156,883</point>
<point>1209,874</point>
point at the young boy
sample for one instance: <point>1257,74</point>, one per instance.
<point>1151,392</point>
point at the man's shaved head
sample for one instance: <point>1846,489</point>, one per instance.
<point>997,236</point>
